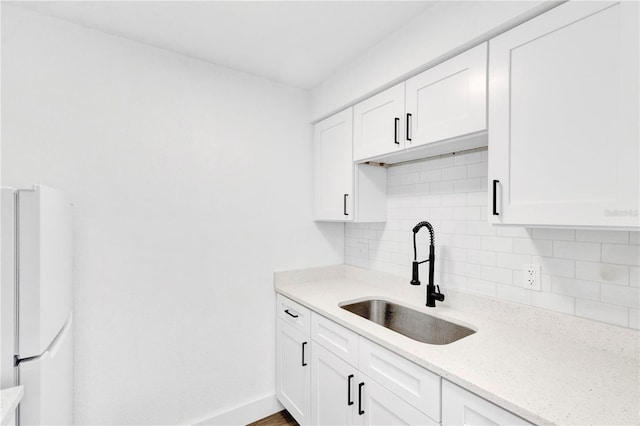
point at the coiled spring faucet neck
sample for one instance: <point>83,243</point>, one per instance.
<point>416,228</point>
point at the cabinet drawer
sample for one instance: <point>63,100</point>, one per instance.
<point>459,406</point>
<point>294,313</point>
<point>414,384</point>
<point>336,338</point>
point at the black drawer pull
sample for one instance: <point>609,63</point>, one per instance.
<point>344,204</point>
<point>360,410</point>
<point>349,401</point>
<point>290,314</point>
<point>304,364</point>
<point>395,130</point>
<point>495,187</point>
<point>409,127</point>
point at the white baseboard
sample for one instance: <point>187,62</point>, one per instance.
<point>245,413</point>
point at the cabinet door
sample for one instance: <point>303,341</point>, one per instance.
<point>461,407</point>
<point>333,167</point>
<point>563,118</point>
<point>378,406</point>
<point>293,371</point>
<point>448,100</point>
<point>333,389</point>
<point>414,384</point>
<point>378,125</point>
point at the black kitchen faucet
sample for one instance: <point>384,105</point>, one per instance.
<point>432,293</point>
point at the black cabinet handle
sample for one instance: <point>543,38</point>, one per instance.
<point>349,401</point>
<point>290,314</point>
<point>360,410</point>
<point>304,364</point>
<point>395,130</point>
<point>344,204</point>
<point>408,127</point>
<point>495,187</point>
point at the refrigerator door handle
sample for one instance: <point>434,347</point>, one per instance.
<point>53,347</point>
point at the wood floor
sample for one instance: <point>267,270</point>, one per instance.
<point>283,418</point>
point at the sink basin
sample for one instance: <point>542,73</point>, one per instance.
<point>409,322</point>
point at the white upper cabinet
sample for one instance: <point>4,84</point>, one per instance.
<point>563,118</point>
<point>378,124</point>
<point>334,167</point>
<point>412,119</point>
<point>345,192</point>
<point>448,100</point>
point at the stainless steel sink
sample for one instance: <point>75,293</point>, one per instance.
<point>409,322</point>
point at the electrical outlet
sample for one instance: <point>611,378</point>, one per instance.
<point>531,277</point>
<point>363,249</point>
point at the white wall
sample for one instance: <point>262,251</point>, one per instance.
<point>439,32</point>
<point>191,185</point>
<point>591,274</point>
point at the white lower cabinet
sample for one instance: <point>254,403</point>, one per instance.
<point>379,406</point>
<point>329,375</point>
<point>334,382</point>
<point>341,395</point>
<point>293,371</point>
<point>461,407</point>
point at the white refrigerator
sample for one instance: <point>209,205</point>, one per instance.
<point>37,303</point>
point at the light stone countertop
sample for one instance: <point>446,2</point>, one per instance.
<point>546,367</point>
<point>9,400</point>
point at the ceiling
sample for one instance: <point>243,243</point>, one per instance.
<point>298,43</point>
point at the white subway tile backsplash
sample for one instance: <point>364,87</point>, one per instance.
<point>508,231</point>
<point>468,185</point>
<point>477,170</point>
<point>477,199</point>
<point>452,226</point>
<point>576,288</point>
<point>621,254</point>
<point>512,261</point>
<point>473,242</point>
<point>445,187</point>
<point>454,200</point>
<point>555,267</point>
<point>619,295</point>
<point>480,228</point>
<point>445,213</point>
<point>593,274</point>
<point>618,237</point>
<point>467,213</point>
<point>458,172</point>
<point>513,293</point>
<point>500,244</point>
<point>533,247</point>
<point>576,250</point>
<point>554,234</point>
<point>441,162</point>
<point>452,253</point>
<point>481,257</point>
<point>498,275</point>
<point>634,276</point>
<point>554,302</point>
<point>431,175</point>
<point>434,200</point>
<point>611,314</point>
<point>485,288</point>
<point>604,272</point>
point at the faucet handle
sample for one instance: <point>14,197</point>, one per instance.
<point>439,296</point>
